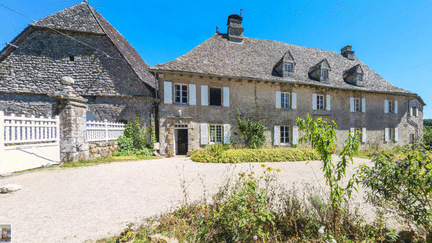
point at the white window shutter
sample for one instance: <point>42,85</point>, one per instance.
<point>276,135</point>
<point>192,94</point>
<point>227,133</point>
<point>352,131</point>
<point>204,95</point>
<point>314,101</point>
<point>294,100</point>
<point>328,102</point>
<point>396,135</point>
<point>204,134</point>
<point>226,96</point>
<point>352,104</point>
<point>386,106</point>
<point>278,99</point>
<point>363,104</point>
<point>416,111</point>
<point>386,135</point>
<point>364,136</point>
<point>396,107</point>
<point>295,135</point>
<point>168,95</point>
<point>411,111</point>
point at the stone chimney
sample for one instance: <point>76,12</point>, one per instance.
<point>235,30</point>
<point>348,52</point>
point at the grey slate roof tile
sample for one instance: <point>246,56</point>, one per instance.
<point>256,58</point>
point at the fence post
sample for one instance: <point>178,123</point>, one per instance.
<point>2,134</point>
<point>106,130</point>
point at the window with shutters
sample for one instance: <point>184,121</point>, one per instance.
<point>216,133</point>
<point>285,100</point>
<point>391,134</point>
<point>285,135</point>
<point>356,105</point>
<point>390,106</point>
<point>181,94</point>
<point>215,97</point>
<point>360,138</point>
<point>320,102</point>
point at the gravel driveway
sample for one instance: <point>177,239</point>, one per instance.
<point>89,203</point>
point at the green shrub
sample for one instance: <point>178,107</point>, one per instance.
<point>132,141</point>
<point>404,185</point>
<point>255,155</point>
<point>253,131</point>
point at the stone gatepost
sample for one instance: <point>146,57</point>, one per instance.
<point>72,110</point>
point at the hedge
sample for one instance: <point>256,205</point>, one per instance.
<point>255,155</point>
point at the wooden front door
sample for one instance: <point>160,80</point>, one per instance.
<point>182,141</point>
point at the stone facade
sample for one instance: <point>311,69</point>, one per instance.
<point>257,99</point>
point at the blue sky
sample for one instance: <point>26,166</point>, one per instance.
<point>394,38</point>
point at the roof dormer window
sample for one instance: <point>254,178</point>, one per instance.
<point>354,75</point>
<point>285,66</point>
<point>288,67</point>
<point>320,72</point>
<point>324,74</point>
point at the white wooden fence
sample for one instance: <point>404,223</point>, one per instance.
<point>28,142</point>
<point>103,131</point>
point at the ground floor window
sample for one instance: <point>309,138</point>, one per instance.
<point>285,134</point>
<point>216,134</point>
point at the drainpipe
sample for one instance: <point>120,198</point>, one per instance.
<point>155,103</point>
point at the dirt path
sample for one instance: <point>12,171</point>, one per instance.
<point>89,203</point>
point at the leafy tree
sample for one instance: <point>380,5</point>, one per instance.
<point>323,138</point>
<point>252,130</point>
<point>133,140</point>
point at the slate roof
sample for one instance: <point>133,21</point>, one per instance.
<point>84,18</point>
<point>256,59</point>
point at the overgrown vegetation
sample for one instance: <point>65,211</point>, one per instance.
<point>219,153</point>
<point>322,136</point>
<point>255,208</point>
<point>253,131</point>
<point>133,141</point>
<point>404,186</point>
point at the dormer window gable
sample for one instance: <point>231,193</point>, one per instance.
<point>285,66</point>
<point>320,72</point>
<point>354,76</point>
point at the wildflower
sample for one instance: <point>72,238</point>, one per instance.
<point>278,170</point>
<point>243,178</point>
<point>321,230</point>
<point>261,177</point>
<point>391,154</point>
<point>269,169</point>
<point>255,237</point>
<point>253,173</point>
<point>263,165</point>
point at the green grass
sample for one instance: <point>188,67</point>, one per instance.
<point>104,160</point>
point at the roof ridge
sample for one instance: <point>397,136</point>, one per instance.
<point>94,16</point>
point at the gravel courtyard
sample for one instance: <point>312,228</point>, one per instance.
<point>88,203</point>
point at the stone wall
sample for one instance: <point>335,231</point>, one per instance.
<point>256,99</point>
<point>26,104</point>
<point>44,57</point>
<point>102,149</point>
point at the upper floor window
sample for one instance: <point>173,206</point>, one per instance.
<point>285,100</point>
<point>181,94</point>
<point>320,102</point>
<point>356,105</point>
<point>391,106</point>
<point>359,78</point>
<point>215,97</point>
